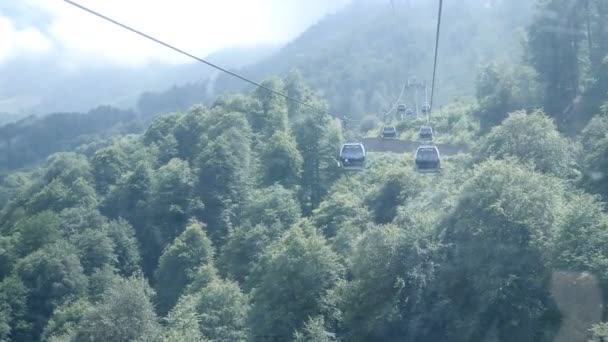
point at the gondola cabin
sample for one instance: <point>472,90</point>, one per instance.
<point>426,108</point>
<point>427,159</point>
<point>389,132</point>
<point>401,110</point>
<point>425,133</point>
<point>352,156</point>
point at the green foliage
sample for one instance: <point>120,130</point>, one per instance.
<point>95,249</point>
<point>100,281</point>
<point>244,248</point>
<point>124,314</point>
<point>600,332</point>
<point>129,194</point>
<point>391,269</point>
<point>565,47</point>
<point>128,200</point>
<point>270,212</point>
<point>13,310</point>
<point>495,269</point>
<point>291,281</point>
<point>8,255</point>
<point>584,216</point>
<point>179,262</point>
<point>554,53</point>
<point>396,189</point>
<point>32,140</point>
<point>314,331</point>
<point>281,161</point>
<point>224,180</point>
<point>67,168</point>
<point>13,186</point>
<point>318,139</point>
<point>203,277</point>
<point>108,164</point>
<point>126,248</point>
<point>172,198</point>
<point>188,131</point>
<point>37,231</point>
<point>501,90</point>
<point>529,138</point>
<point>222,309</point>
<point>65,320</point>
<point>594,141</point>
<point>452,123</point>
<point>182,323</point>
<point>160,128</point>
<point>52,275</point>
<point>343,215</point>
<point>272,205</point>
<point>272,116</point>
<point>57,196</point>
<point>97,241</point>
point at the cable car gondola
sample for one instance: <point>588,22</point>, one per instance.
<point>428,159</point>
<point>352,156</point>
<point>426,108</point>
<point>425,133</point>
<point>401,110</point>
<point>389,132</point>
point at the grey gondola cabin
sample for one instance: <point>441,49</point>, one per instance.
<point>426,108</point>
<point>426,133</point>
<point>428,159</point>
<point>401,111</point>
<point>352,156</point>
<point>389,132</point>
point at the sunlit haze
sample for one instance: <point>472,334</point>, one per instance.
<point>53,27</point>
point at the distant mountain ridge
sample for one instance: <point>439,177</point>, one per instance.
<point>359,57</point>
<point>37,86</point>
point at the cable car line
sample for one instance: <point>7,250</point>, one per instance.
<point>436,51</point>
<point>396,102</point>
<point>167,45</point>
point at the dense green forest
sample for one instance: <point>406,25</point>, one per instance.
<point>230,221</point>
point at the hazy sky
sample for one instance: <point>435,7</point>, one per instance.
<point>54,28</point>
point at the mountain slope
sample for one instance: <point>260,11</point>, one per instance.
<point>360,56</point>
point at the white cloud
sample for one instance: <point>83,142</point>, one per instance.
<point>15,42</point>
<point>198,26</point>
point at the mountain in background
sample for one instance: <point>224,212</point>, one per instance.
<point>37,86</point>
<point>357,59</point>
<point>360,57</point>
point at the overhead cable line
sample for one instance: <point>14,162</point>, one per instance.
<point>436,53</point>
<point>396,102</point>
<point>172,47</point>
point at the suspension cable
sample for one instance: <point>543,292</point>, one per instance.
<point>396,102</point>
<point>172,47</point>
<point>436,53</point>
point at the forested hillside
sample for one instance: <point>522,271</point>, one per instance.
<point>360,57</point>
<point>31,140</point>
<point>230,221</point>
